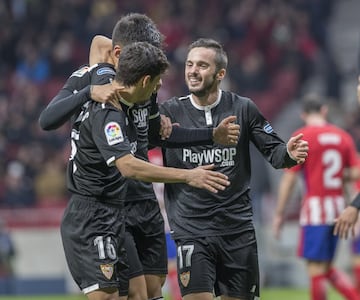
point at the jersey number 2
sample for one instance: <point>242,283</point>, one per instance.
<point>333,163</point>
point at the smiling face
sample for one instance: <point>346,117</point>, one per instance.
<point>201,75</point>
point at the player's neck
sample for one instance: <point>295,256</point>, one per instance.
<point>315,120</point>
<point>207,99</point>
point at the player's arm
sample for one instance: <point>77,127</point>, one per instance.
<point>165,134</point>
<point>345,223</point>
<point>286,187</point>
<point>78,89</point>
<point>351,174</point>
<point>100,50</point>
<point>200,177</point>
<point>278,153</point>
<point>70,98</point>
<point>226,133</point>
<point>64,105</point>
<point>67,104</point>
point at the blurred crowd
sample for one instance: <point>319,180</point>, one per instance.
<point>274,47</point>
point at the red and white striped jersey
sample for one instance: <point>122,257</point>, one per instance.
<point>331,151</point>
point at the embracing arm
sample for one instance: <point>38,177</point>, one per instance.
<point>62,107</point>
<point>67,102</point>
<point>100,50</point>
<point>164,134</point>
<point>200,177</point>
<point>226,133</point>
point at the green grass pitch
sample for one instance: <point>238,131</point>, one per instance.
<point>293,294</point>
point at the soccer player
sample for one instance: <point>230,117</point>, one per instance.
<point>332,161</point>
<point>215,235</point>
<point>103,139</point>
<point>145,238</point>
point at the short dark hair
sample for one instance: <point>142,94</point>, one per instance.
<point>140,59</point>
<point>135,27</point>
<point>221,59</point>
<point>312,103</point>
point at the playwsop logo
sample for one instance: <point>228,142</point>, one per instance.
<point>113,133</point>
<point>107,270</point>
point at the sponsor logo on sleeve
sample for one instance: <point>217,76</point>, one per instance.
<point>113,133</point>
<point>80,72</point>
<point>268,128</point>
<point>105,70</point>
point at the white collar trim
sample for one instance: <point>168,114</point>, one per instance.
<point>206,107</point>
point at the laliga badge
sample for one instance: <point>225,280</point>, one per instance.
<point>185,278</point>
<point>113,133</point>
<point>107,270</point>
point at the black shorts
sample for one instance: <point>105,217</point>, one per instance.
<point>145,241</point>
<point>93,238</point>
<point>227,265</point>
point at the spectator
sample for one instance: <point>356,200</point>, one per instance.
<point>18,189</point>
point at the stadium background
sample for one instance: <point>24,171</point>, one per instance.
<point>278,51</point>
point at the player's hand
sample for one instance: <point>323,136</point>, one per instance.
<point>227,132</point>
<point>277,225</point>
<point>345,223</point>
<point>297,148</point>
<point>202,177</point>
<point>165,127</point>
<point>109,92</point>
<point>106,92</point>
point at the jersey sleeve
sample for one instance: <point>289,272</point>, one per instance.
<point>109,135</point>
<point>185,137</point>
<point>101,74</point>
<point>356,202</point>
<point>68,101</point>
<point>266,140</point>
<point>154,122</point>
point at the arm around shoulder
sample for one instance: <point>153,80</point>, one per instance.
<point>200,177</point>
<point>100,50</point>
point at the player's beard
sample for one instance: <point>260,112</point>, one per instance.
<point>204,89</point>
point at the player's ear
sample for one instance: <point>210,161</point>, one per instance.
<point>146,80</point>
<point>221,74</point>
<point>116,51</point>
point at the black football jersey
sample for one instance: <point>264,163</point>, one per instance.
<point>197,212</point>
<point>100,135</point>
<point>59,111</point>
<point>139,115</point>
